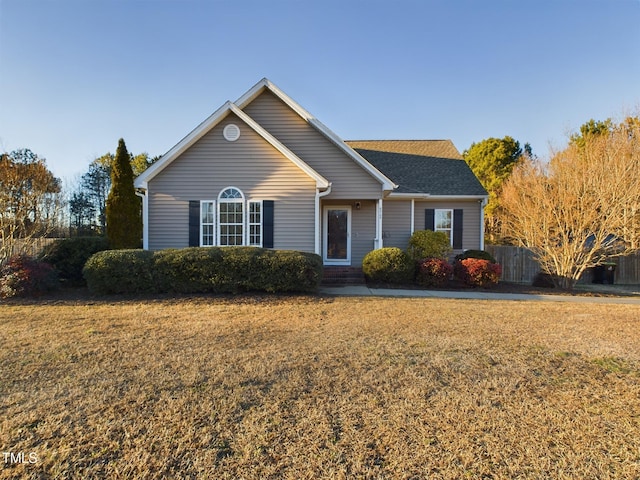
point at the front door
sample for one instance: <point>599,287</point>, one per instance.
<point>337,235</point>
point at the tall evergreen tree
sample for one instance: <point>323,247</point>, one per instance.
<point>124,222</point>
<point>492,161</point>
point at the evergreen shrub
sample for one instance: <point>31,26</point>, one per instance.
<point>69,255</point>
<point>206,270</point>
<point>428,244</point>
<point>120,271</point>
<point>388,265</point>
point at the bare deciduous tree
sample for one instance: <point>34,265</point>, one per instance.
<point>581,208</point>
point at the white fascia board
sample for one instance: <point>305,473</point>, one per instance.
<point>386,182</point>
<point>321,182</point>
<point>427,196</point>
<point>215,118</point>
<point>191,138</point>
<point>256,90</point>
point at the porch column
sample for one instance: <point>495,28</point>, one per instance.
<point>379,243</point>
<point>413,215</point>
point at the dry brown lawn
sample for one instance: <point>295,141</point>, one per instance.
<point>305,387</point>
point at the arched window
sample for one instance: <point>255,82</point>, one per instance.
<point>231,217</point>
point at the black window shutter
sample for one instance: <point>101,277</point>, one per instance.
<point>267,223</point>
<point>457,229</point>
<point>194,223</point>
<point>429,219</point>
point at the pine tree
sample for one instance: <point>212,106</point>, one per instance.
<point>124,223</point>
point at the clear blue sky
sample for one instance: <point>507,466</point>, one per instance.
<point>76,75</point>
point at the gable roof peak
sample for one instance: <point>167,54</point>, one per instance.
<point>208,124</point>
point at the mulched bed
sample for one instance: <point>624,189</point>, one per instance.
<point>518,288</point>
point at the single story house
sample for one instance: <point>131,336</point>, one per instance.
<point>262,171</point>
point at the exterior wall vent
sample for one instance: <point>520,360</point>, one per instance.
<point>231,132</point>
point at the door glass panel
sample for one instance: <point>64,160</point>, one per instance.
<point>337,221</point>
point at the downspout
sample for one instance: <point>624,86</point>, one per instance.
<point>142,193</point>
<point>318,218</point>
<point>483,203</point>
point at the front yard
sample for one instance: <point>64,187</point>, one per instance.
<point>307,387</point>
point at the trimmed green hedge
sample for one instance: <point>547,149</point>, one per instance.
<point>120,271</point>
<point>203,270</point>
<point>388,265</point>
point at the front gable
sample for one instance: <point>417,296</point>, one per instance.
<point>210,123</point>
<point>212,164</point>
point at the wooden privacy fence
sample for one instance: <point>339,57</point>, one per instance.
<point>36,246</point>
<point>519,266</point>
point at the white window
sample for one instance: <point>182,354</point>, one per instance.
<point>231,220</point>
<point>207,223</point>
<point>230,217</point>
<point>443,222</point>
<point>255,224</point>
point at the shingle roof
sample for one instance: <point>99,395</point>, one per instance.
<point>427,148</point>
<point>433,167</point>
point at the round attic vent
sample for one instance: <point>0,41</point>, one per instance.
<point>231,132</point>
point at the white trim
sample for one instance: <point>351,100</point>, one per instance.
<point>435,222</point>
<point>242,202</point>
<point>231,132</point>
<point>428,196</point>
<point>387,183</point>
<point>321,182</point>
<point>483,204</point>
<point>265,83</point>
<point>214,224</point>
<point>229,187</point>
<point>378,241</point>
<point>413,216</point>
<point>318,219</point>
<point>202,129</point>
<point>191,138</point>
<point>325,230</point>
<point>143,194</point>
<point>249,223</point>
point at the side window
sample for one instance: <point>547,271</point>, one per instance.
<point>255,224</point>
<point>207,223</point>
<point>443,222</point>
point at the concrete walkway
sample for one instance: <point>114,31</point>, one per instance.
<point>363,290</point>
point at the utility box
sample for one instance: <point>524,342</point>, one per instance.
<point>604,273</point>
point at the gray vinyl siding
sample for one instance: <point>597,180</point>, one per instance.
<point>396,223</point>
<point>363,228</point>
<point>349,180</point>
<point>250,164</point>
<point>470,219</point>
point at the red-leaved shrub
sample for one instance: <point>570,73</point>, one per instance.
<point>433,272</point>
<point>477,272</point>
<point>23,276</point>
